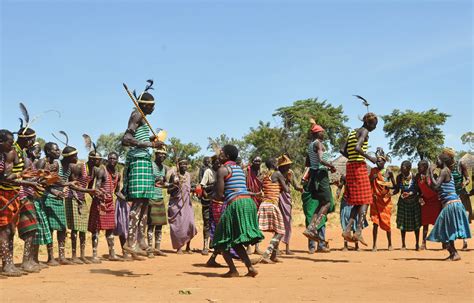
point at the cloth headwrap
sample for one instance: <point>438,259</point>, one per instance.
<point>449,152</point>
<point>315,128</point>
<point>284,160</point>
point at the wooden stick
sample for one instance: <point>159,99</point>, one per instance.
<point>140,110</point>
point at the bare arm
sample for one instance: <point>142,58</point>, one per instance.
<point>444,176</point>
<point>277,176</point>
<point>319,148</point>
<point>222,172</point>
<point>76,174</point>
<point>397,184</point>
<point>343,150</point>
<point>465,174</point>
<point>133,123</point>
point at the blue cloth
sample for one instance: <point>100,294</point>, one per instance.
<point>452,224</point>
<point>322,235</point>
<point>345,214</point>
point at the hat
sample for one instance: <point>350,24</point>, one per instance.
<point>161,150</point>
<point>283,160</point>
<point>315,128</point>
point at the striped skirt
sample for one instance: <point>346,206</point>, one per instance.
<point>157,212</point>
<point>101,216</point>
<point>56,213</point>
<point>452,224</point>
<point>27,222</point>
<point>270,218</point>
<point>237,225</point>
<point>77,214</point>
<point>43,233</point>
<point>10,214</point>
<point>140,182</point>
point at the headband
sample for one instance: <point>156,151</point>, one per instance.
<point>27,136</point>
<point>70,153</point>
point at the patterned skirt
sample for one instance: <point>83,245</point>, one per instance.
<point>140,182</point>
<point>270,218</point>
<point>358,189</point>
<point>10,214</point>
<point>285,208</point>
<point>157,212</point>
<point>56,213</point>
<point>43,233</point>
<point>408,214</point>
<point>238,225</point>
<point>28,221</point>
<point>101,216</point>
<point>77,214</point>
<point>122,217</point>
<point>452,224</point>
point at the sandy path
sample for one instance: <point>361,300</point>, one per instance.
<point>383,276</point>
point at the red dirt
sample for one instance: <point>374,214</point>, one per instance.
<point>395,276</point>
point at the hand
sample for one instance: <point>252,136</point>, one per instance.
<point>60,195</point>
<point>421,201</point>
<point>466,183</point>
<point>332,168</point>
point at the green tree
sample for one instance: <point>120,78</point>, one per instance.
<point>111,142</point>
<point>266,141</point>
<point>468,138</point>
<point>415,134</point>
<point>223,139</point>
<point>41,142</point>
<point>178,149</point>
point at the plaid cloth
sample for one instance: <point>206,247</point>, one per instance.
<point>77,214</point>
<point>270,218</point>
<point>408,214</point>
<point>56,213</point>
<point>139,180</point>
<point>27,222</point>
<point>358,189</point>
<point>43,234</point>
<point>10,214</point>
<point>157,212</point>
<point>102,215</point>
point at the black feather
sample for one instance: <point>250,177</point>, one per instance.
<point>65,136</point>
<point>364,101</point>
<point>135,94</point>
<point>95,147</point>
<point>25,113</point>
<point>150,85</point>
<point>21,123</point>
<point>59,140</point>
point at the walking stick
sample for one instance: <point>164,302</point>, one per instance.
<point>140,110</point>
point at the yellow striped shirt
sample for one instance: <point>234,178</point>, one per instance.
<point>354,156</point>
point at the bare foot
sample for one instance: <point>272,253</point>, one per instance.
<point>276,260</point>
<point>10,270</point>
<point>85,261</point>
<point>252,272</point>
<point>42,265</point>
<point>179,251</point>
<point>138,257</point>
<point>323,250</point>
<point>52,262</point>
<point>127,257</point>
<point>345,248</point>
<point>311,251</point>
<point>213,264</point>
<point>374,249</point>
<point>30,267</point>
<point>230,274</point>
<point>348,236</point>
<point>158,252</point>
<point>258,252</point>
<point>456,257</point>
<point>390,248</point>
<point>115,258</point>
<point>76,260</point>
<point>289,253</point>
<point>423,246</point>
<point>464,246</point>
<point>96,260</point>
<point>417,247</point>
<point>64,261</point>
<point>358,238</point>
<point>205,252</point>
<point>403,248</point>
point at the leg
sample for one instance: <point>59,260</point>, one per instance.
<point>125,255</point>
<point>322,245</point>
<point>135,211</point>
<point>232,269</point>
<point>149,234</point>
<point>374,236</point>
<point>28,264</point>
<point>454,252</point>
<point>425,234</point>
<point>158,237</point>
<point>240,250</point>
<point>311,231</point>
<point>82,240</point>
<point>74,258</point>
<point>389,240</point>
<point>6,236</point>
<point>212,260</point>
<point>271,248</point>
<point>404,247</point>
<point>95,243</point>
<point>109,234</point>
<point>142,227</point>
<point>51,260</point>
<point>257,249</point>
<point>417,239</point>
<point>61,246</point>
<point>360,224</point>
<point>206,226</point>
<point>188,248</point>
<point>311,246</point>
<point>347,233</point>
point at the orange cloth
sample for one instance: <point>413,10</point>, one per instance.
<point>381,207</point>
<point>271,191</point>
<point>10,214</point>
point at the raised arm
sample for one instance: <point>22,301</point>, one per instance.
<point>444,176</point>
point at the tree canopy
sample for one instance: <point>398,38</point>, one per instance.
<point>111,142</point>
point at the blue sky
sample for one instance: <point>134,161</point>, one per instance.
<point>221,66</point>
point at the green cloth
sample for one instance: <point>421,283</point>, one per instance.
<point>139,180</point>
<point>158,175</point>
<point>55,211</point>
<point>319,185</point>
<point>310,205</point>
<point>238,225</point>
<point>76,221</point>
<point>157,212</point>
<point>43,233</point>
<point>408,214</point>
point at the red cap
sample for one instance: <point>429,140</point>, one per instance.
<point>316,128</point>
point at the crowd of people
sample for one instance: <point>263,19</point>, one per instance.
<point>41,195</point>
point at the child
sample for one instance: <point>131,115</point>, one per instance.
<point>430,204</point>
<point>408,207</point>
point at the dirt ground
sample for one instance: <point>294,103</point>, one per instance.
<point>394,276</point>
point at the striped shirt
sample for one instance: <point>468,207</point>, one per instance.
<point>235,183</point>
<point>84,181</point>
<point>142,134</point>
<point>159,174</point>
<point>314,160</point>
<point>17,168</point>
<point>271,190</point>
<point>354,156</point>
<point>447,191</point>
<point>458,178</point>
